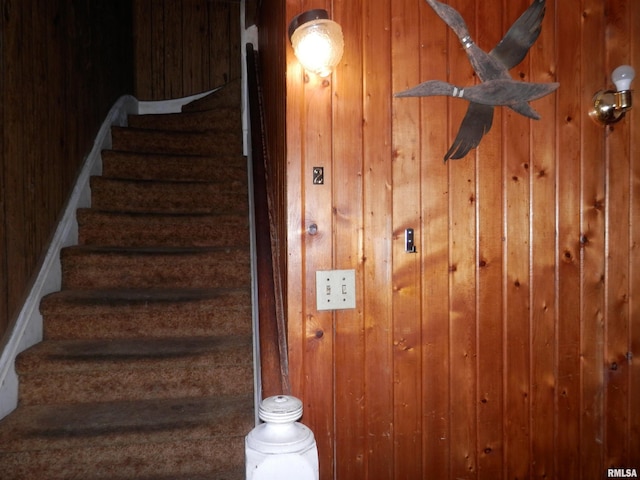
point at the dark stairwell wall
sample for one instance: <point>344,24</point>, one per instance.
<point>63,64</point>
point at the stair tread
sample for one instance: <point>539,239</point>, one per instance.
<point>208,132</point>
<point>238,159</point>
<point>81,355</point>
<point>131,297</point>
<point>238,473</point>
<point>116,228</point>
<point>206,142</point>
<point>145,196</point>
<point>95,266</point>
<point>123,164</point>
<point>151,420</point>
<point>218,217</point>
<point>150,250</point>
<point>102,370</point>
<point>123,313</point>
<point>237,220</point>
<point>160,183</point>
<point>219,457</point>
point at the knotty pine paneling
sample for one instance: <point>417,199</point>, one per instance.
<point>504,348</point>
<point>185,47</point>
<point>63,64</point>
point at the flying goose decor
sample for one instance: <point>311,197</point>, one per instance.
<point>496,87</point>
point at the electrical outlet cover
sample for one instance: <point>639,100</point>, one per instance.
<point>335,289</point>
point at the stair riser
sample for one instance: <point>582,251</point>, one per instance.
<point>124,196</point>
<point>100,228</point>
<point>178,143</point>
<point>114,269</point>
<point>165,167</point>
<point>134,384</point>
<point>127,460</point>
<point>221,119</point>
<point>107,423</point>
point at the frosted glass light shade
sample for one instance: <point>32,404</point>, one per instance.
<point>317,43</point>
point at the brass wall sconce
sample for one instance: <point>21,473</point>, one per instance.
<point>317,41</point>
<point>610,106</point>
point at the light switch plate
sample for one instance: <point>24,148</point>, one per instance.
<point>335,289</point>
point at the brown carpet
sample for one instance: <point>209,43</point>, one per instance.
<point>146,369</point>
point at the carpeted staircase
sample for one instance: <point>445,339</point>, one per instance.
<point>146,368</point>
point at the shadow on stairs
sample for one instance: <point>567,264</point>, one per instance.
<point>146,369</point>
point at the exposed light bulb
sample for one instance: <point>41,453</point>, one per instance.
<point>623,76</point>
<point>610,107</point>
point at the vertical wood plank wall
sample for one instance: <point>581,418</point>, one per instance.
<point>62,65</point>
<point>185,47</point>
<point>507,347</point>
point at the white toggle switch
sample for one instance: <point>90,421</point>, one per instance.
<point>335,289</point>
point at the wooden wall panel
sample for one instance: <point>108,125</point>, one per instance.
<point>504,348</point>
<point>57,83</point>
<point>348,202</point>
<point>490,260</point>
<point>377,236</point>
<point>185,47</point>
<point>433,247</point>
<point>542,179</point>
<point>405,213</point>
<point>617,267</point>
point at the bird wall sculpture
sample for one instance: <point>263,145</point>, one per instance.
<point>497,88</point>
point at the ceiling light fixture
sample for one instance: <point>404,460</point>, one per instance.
<point>317,41</point>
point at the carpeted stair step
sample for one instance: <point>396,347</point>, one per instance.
<point>106,370</point>
<point>89,267</point>
<point>195,438</point>
<point>208,142</point>
<point>219,119</point>
<point>133,462</point>
<point>149,313</point>
<point>168,197</point>
<point>144,166</point>
<point>125,229</point>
